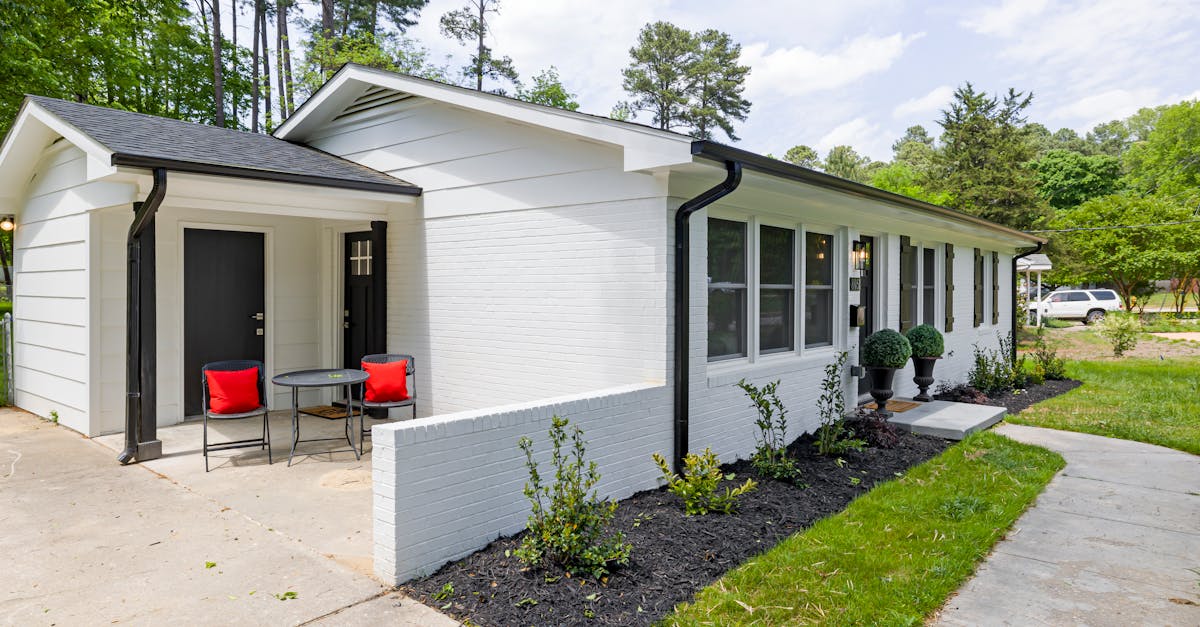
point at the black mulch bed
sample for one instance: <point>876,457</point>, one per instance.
<point>674,555</point>
<point>1015,401</point>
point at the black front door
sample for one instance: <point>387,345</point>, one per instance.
<point>357,304</point>
<point>867,300</point>
<point>223,300</point>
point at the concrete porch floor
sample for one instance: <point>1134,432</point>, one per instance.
<point>945,419</point>
<point>323,500</point>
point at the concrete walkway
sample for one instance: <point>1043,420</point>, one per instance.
<point>87,541</point>
<point>1114,540</point>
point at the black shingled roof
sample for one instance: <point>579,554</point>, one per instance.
<point>140,140</point>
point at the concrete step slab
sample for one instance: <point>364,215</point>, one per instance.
<point>945,419</point>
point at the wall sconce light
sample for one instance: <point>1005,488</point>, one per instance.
<point>858,256</point>
<point>7,223</point>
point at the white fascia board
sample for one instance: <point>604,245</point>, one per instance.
<point>32,131</point>
<point>644,147</point>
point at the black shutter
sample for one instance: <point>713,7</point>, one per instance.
<point>978,287</point>
<point>995,288</point>
<point>949,288</point>
<point>908,283</point>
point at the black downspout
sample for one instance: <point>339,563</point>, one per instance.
<point>140,345</point>
<point>683,251</point>
<point>1015,299</point>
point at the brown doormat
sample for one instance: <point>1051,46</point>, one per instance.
<point>898,406</point>
<point>326,411</point>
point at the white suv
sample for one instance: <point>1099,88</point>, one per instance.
<point>1086,305</point>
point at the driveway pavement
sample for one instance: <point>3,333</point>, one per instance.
<point>1114,540</point>
<point>87,541</point>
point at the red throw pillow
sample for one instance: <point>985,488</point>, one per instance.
<point>232,391</point>
<point>388,383</point>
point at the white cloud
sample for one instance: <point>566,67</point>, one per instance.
<point>929,103</point>
<point>1109,105</point>
<point>1006,18</point>
<point>861,134</point>
<point>799,71</point>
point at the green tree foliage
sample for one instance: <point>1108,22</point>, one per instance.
<point>914,149</point>
<point>355,18</point>
<point>1067,178</point>
<point>398,54</point>
<point>843,161</point>
<point>139,55</point>
<point>804,156</point>
<point>687,80</point>
<point>547,89</point>
<point>984,155</point>
<point>1168,160</point>
<point>1129,259</point>
<point>719,81</point>
<point>469,27</point>
<point>902,178</point>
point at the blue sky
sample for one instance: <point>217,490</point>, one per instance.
<point>859,72</point>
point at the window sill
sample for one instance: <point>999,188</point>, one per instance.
<point>721,374</point>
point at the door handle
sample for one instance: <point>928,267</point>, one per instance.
<point>258,331</point>
<point>257,316</point>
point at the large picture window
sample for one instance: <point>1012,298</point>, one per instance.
<point>818,290</point>
<point>726,289</point>
<point>777,290</point>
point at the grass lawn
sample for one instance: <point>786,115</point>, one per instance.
<point>1147,400</point>
<point>895,554</point>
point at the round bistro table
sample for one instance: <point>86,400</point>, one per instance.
<point>323,378</point>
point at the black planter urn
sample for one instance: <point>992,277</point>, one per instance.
<point>923,368</point>
<point>881,387</point>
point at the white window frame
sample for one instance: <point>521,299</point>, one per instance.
<point>754,223</point>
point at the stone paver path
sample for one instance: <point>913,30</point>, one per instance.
<point>1114,540</point>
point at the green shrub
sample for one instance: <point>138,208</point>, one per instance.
<point>1121,330</point>
<point>833,437</point>
<point>926,341</point>
<point>995,371</point>
<point>569,522</point>
<point>770,457</point>
<point>698,486</point>
<point>1046,362</point>
<point>886,349</point>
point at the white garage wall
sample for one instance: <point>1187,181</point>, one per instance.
<point>53,248</point>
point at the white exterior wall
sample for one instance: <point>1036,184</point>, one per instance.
<point>446,486</point>
<point>56,244</point>
<point>534,267</point>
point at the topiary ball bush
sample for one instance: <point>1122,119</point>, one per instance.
<point>926,341</point>
<point>886,349</point>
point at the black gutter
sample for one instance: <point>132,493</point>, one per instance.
<point>140,367</point>
<point>139,161</point>
<point>1035,249</point>
<point>768,165</point>
<point>683,250</point>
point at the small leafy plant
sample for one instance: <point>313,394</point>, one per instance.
<point>1046,362</point>
<point>770,457</point>
<point>886,348</point>
<point>926,341</point>
<point>1121,330</point>
<point>833,437</point>
<point>874,428</point>
<point>996,371</point>
<point>569,523</point>
<point>698,486</point>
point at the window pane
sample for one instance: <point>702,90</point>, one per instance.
<point>775,321</point>
<point>726,323</point>
<point>818,317</point>
<point>818,259</point>
<point>776,262</point>
<point>726,251</point>
<point>1077,296</point>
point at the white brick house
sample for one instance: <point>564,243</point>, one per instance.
<point>525,256</point>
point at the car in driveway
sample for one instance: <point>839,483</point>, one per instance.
<point>1086,305</point>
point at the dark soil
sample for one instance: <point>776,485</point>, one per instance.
<point>674,555</point>
<point>1014,401</point>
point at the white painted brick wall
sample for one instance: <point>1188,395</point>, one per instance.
<point>447,485</point>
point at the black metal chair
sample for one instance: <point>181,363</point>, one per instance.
<point>228,366</point>
<point>365,405</point>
